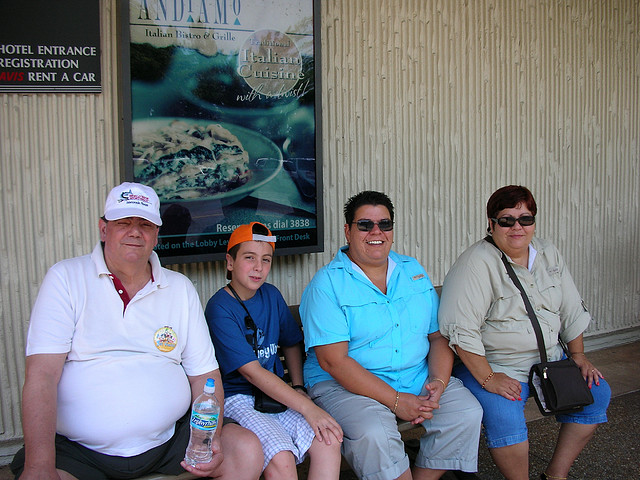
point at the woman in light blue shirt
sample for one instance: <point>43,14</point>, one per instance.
<point>375,353</point>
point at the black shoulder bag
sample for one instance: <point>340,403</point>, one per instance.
<point>558,387</point>
<point>263,402</point>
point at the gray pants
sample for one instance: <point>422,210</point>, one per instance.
<point>372,444</point>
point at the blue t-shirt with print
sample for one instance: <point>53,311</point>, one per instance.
<point>226,320</point>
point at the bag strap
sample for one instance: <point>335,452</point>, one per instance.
<point>250,324</point>
<point>248,321</point>
<point>525,298</point>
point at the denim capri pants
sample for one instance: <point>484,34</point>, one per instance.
<point>503,420</point>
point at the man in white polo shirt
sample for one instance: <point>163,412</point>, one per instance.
<point>117,350</point>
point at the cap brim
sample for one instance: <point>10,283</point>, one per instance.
<point>133,212</point>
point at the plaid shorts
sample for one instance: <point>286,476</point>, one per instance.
<point>277,432</point>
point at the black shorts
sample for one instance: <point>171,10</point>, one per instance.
<point>86,464</point>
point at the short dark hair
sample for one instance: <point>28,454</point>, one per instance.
<point>367,197</point>
<point>233,251</point>
<point>510,196</point>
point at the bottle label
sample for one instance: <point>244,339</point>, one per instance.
<point>205,421</point>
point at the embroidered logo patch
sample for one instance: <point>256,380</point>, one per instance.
<point>165,339</point>
<point>417,277</point>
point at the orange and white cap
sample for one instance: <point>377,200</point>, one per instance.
<point>245,233</point>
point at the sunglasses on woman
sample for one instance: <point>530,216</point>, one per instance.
<point>367,225</point>
<point>524,220</point>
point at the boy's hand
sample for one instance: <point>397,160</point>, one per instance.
<point>323,424</point>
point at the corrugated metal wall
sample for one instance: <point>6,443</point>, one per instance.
<point>58,157</point>
<point>437,103</point>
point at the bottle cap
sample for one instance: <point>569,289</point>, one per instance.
<point>210,386</point>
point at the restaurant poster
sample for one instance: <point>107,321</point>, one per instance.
<point>224,121</point>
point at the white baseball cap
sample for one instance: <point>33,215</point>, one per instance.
<point>133,200</point>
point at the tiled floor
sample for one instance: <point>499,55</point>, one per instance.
<point>614,452</point>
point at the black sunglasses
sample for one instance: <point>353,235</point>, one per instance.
<point>385,225</point>
<point>249,324</point>
<point>524,220</point>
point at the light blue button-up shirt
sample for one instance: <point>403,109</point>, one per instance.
<point>386,333</point>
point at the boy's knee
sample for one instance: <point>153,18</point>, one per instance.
<point>322,450</point>
<point>284,458</point>
<point>282,465</point>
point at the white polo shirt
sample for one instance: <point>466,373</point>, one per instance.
<point>124,383</point>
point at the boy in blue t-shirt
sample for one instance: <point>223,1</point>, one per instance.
<point>247,320</point>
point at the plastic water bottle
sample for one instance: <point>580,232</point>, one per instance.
<point>204,422</point>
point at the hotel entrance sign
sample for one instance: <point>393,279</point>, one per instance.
<point>50,47</point>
